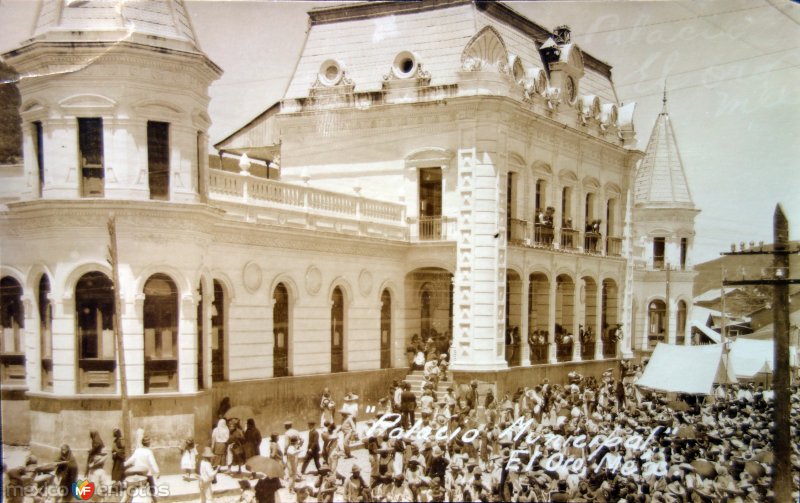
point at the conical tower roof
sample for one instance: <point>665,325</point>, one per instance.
<point>660,179</point>
<point>158,23</point>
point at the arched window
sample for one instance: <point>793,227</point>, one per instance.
<point>94,316</point>
<point>681,323</point>
<point>12,350</point>
<point>45,332</point>
<point>280,331</point>
<point>337,330</point>
<point>200,343</point>
<point>656,321</point>
<point>386,329</point>
<point>218,334</point>
<point>160,334</point>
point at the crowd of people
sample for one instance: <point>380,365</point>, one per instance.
<point>715,448</point>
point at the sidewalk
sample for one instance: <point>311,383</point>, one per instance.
<point>226,490</point>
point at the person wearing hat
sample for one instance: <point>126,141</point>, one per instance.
<point>348,429</point>
<point>144,459</point>
<point>356,488</point>
<point>207,475</point>
<point>437,467</point>
<point>313,448</point>
<point>399,490</point>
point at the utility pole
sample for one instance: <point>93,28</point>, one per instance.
<point>123,381</point>
<point>780,281</point>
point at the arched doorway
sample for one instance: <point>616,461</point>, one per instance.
<point>513,350</point>
<point>218,334</point>
<point>45,332</point>
<point>94,316</point>
<point>656,322</point>
<point>538,317</point>
<point>280,331</point>
<point>565,316</point>
<point>429,303</point>
<point>12,350</point>
<point>588,330</point>
<point>608,321</point>
<point>680,322</point>
<point>200,332</point>
<point>337,330</point>
<point>160,334</point>
<point>386,329</point>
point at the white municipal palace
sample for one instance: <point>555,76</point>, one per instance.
<point>474,178</point>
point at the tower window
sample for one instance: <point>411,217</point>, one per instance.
<point>684,250</point>
<point>658,252</point>
<point>90,144</point>
<point>158,159</point>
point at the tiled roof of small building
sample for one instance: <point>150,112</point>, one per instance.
<point>660,179</point>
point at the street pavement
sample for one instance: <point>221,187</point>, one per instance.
<point>226,490</point>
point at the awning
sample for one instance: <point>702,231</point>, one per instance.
<point>686,369</point>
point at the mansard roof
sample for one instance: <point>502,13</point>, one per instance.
<point>365,38</point>
<point>158,23</point>
<point>661,180</point>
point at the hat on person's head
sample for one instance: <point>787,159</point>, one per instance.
<point>311,422</point>
<point>287,424</point>
<point>437,451</point>
<point>207,452</point>
<point>355,468</point>
<point>145,441</point>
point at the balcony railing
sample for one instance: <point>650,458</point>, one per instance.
<point>613,246</point>
<point>543,235</point>
<point>436,228</point>
<point>517,231</point>
<point>592,242</point>
<point>569,239</point>
<point>246,189</point>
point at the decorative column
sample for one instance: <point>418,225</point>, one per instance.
<point>524,327</point>
<point>479,293</point>
<point>187,344</point>
<point>65,357</point>
<point>30,342</point>
<point>552,357</point>
<point>579,298</point>
<point>598,319</point>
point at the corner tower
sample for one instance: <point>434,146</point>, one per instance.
<point>114,102</point>
<point>663,236</point>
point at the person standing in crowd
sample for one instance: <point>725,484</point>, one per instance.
<point>252,440</point>
<point>95,463</point>
<point>143,457</point>
<point>188,459</point>
<point>236,441</point>
<point>118,457</point>
<point>348,429</point>
<point>219,441</point>
<point>326,405</point>
<point>408,404</point>
<point>356,488</point>
<point>292,451</point>
<point>312,449</point>
<point>206,476</point>
<point>67,472</point>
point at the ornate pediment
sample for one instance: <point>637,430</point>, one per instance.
<point>87,101</point>
<point>485,51</point>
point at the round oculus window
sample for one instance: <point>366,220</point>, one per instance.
<point>330,72</point>
<point>405,65</point>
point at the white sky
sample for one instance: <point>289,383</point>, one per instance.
<point>731,66</point>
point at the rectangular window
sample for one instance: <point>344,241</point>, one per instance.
<point>658,252</point>
<point>38,140</point>
<point>684,250</point>
<point>90,144</point>
<point>539,196</point>
<point>158,159</point>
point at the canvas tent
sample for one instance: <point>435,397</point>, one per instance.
<point>686,369</point>
<point>749,356</point>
